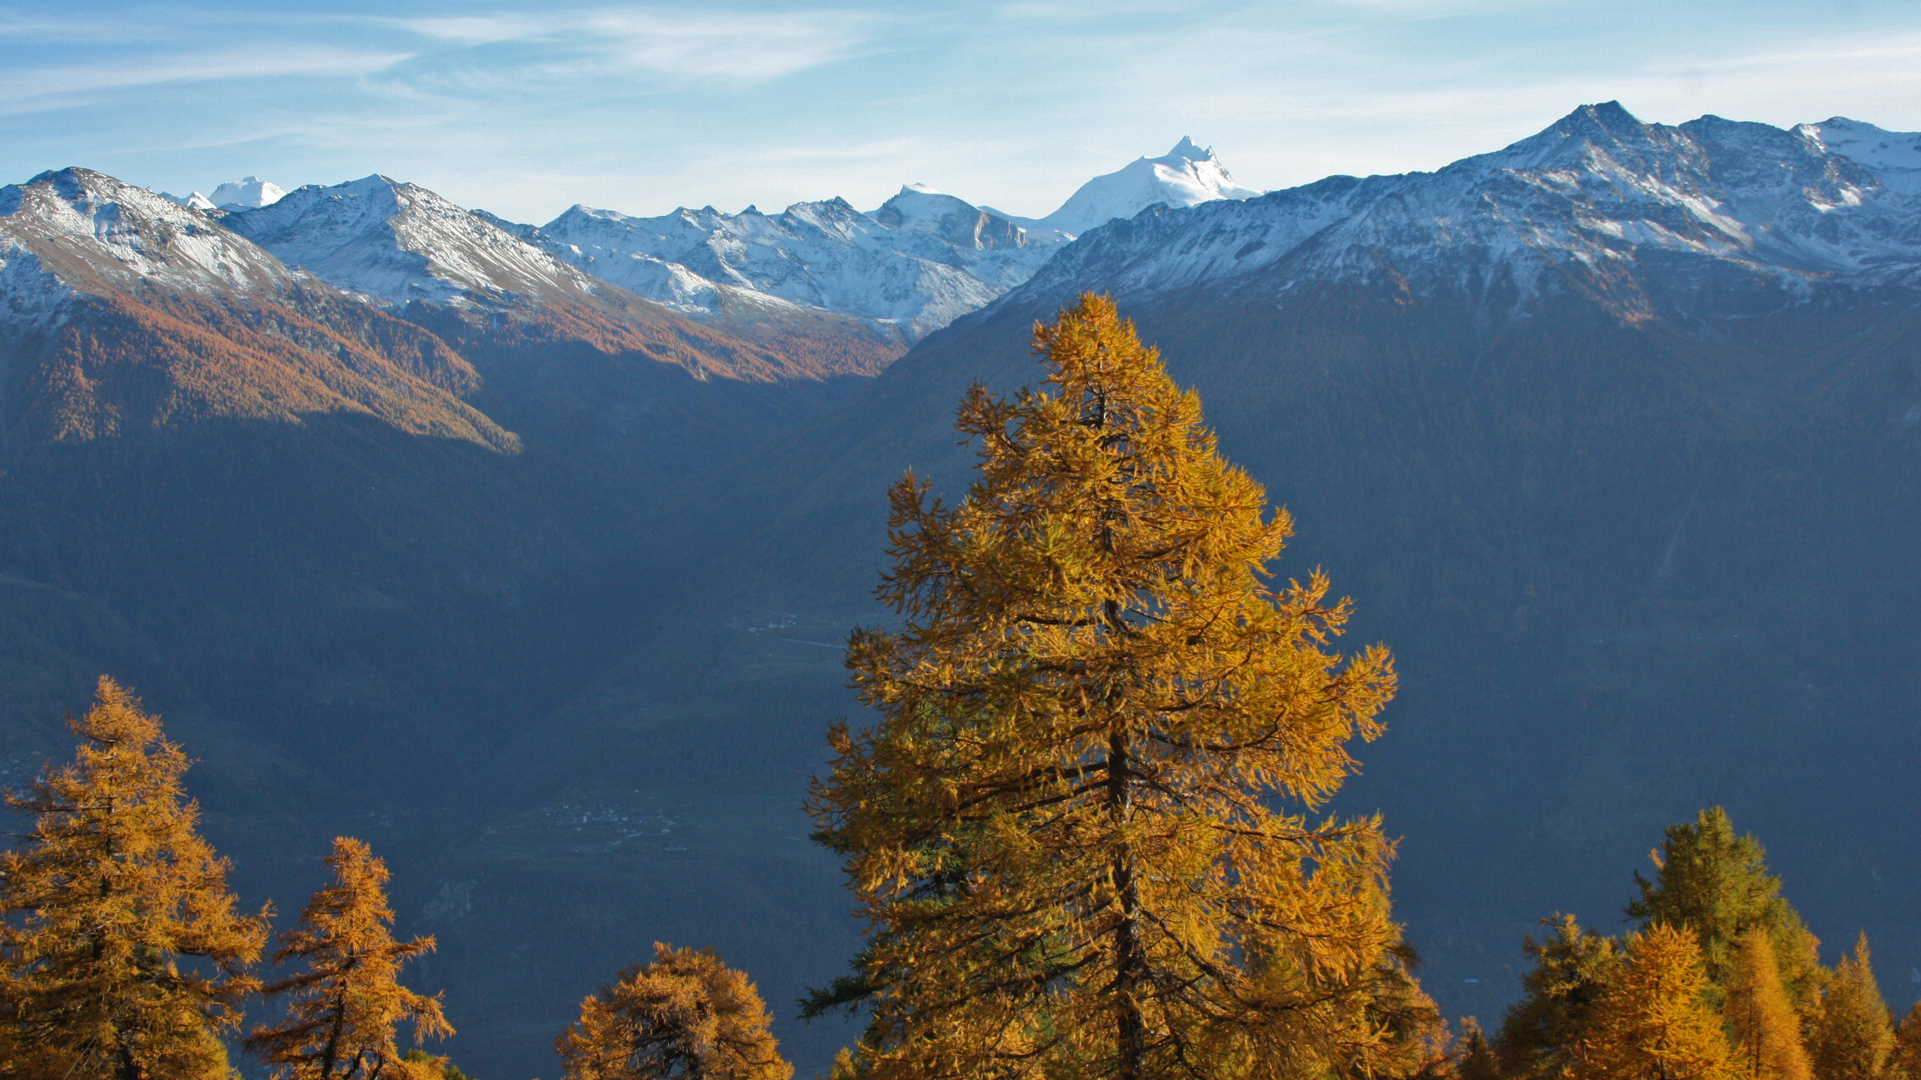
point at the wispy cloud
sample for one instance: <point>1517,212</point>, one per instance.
<point>738,46</point>
<point>58,87</point>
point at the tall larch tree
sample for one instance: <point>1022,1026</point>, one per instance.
<point>123,953</point>
<point>1853,1039</point>
<point>1652,1020</point>
<point>343,1007</point>
<point>1718,883</point>
<point>1078,830</point>
<point>1538,1037</point>
<point>1761,1019</point>
<point>686,1016</point>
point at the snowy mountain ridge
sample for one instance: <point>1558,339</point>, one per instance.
<point>1592,194</point>
<point>906,269</point>
<point>393,243</point>
<point>918,262</point>
<point>77,230</point>
<point>1596,193</point>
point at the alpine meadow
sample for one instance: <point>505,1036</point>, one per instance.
<point>1437,625</point>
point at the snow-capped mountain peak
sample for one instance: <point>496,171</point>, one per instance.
<point>1184,176</point>
<point>919,209</point>
<point>912,266</point>
<point>396,242</point>
<point>1591,199</point>
<point>195,201</point>
<point>77,230</point>
<point>1865,143</point>
<point>247,194</point>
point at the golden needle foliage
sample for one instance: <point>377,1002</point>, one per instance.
<point>1767,1034</point>
<point>1064,829</point>
<point>1652,1021</point>
<point>106,898</point>
<point>343,1008</point>
<point>686,1016</point>
<point>1853,1038</point>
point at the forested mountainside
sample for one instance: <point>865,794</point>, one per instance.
<point>1612,436</point>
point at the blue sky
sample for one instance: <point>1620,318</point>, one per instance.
<point>525,110</point>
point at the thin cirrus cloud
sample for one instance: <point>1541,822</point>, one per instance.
<point>738,47</point>
<point>37,89</point>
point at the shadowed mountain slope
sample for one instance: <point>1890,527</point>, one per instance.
<point>1612,436</point>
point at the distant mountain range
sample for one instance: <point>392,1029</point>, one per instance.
<point>906,269</point>
<point>525,552</point>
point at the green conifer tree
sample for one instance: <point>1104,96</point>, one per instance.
<point>1854,1037</point>
<point>1718,883</point>
<point>1540,1032</point>
<point>1063,828</point>
<point>123,955</point>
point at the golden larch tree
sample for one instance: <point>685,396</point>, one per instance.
<point>1766,1031</point>
<point>1078,829</point>
<point>1907,1044</point>
<point>343,1007</point>
<point>1853,1038</point>
<point>1652,1020</point>
<point>123,953</point>
<point>686,1016</point>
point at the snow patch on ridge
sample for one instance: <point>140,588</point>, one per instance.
<point>1865,143</point>
<point>195,201</point>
